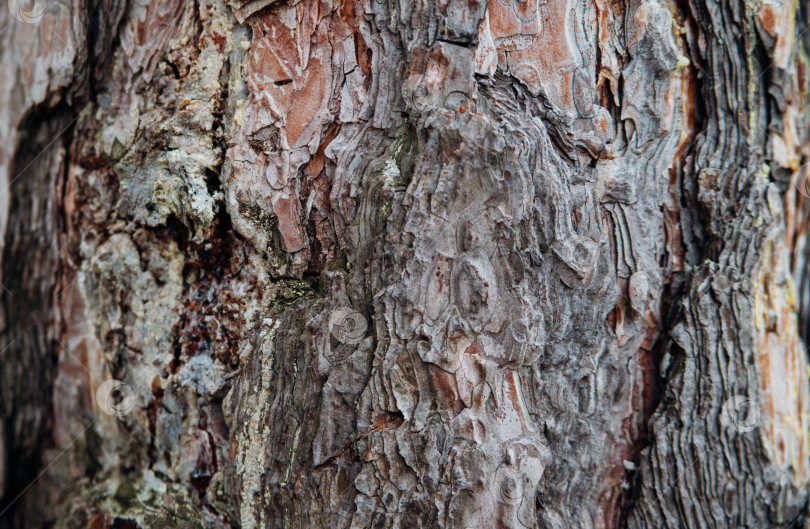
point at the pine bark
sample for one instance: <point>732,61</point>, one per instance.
<point>404,263</point>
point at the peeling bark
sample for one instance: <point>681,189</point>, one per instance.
<point>391,264</point>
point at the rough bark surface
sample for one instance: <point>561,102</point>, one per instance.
<point>404,263</point>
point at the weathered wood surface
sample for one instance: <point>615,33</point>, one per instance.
<point>382,263</point>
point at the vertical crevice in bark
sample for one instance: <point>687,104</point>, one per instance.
<point>32,275</point>
<point>682,225</point>
<point>716,358</point>
<point>801,261</point>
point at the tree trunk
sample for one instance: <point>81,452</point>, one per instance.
<point>404,264</point>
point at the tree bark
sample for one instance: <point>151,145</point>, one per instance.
<point>404,263</point>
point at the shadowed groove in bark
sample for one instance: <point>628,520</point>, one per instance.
<point>725,220</point>
<point>32,279</point>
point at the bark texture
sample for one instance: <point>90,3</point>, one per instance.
<point>404,263</point>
